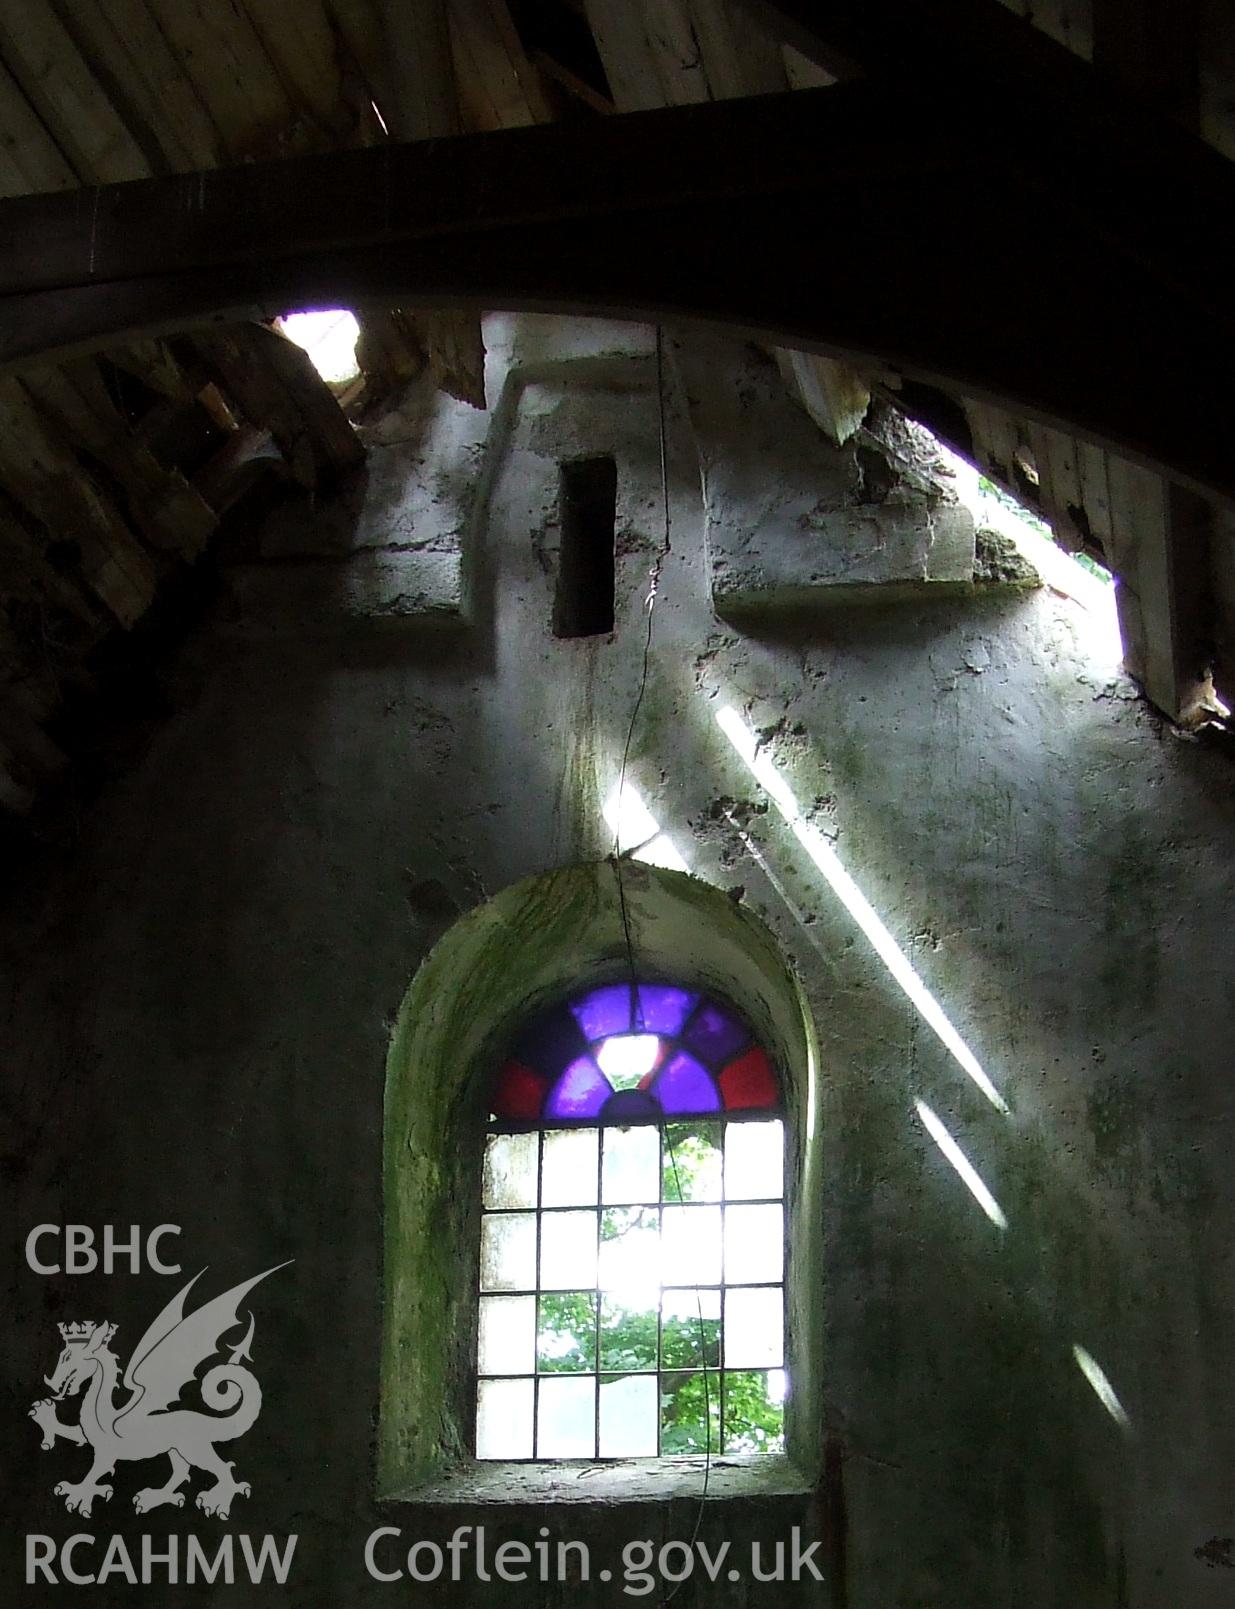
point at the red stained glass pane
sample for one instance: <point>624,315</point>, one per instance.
<point>748,1082</point>
<point>519,1093</point>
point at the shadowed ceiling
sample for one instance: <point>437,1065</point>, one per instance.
<point>122,466</point>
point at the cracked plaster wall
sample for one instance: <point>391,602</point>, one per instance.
<point>197,1011</point>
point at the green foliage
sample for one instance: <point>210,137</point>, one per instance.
<point>627,1337</point>
<point>566,1342</point>
<point>692,1162</point>
<point>752,1423</point>
<point>688,1402</point>
<point>690,1339</point>
<point>690,1395</point>
<point>679,1333</point>
<point>1086,562</point>
<point>1094,568</point>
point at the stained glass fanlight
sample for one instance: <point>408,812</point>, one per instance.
<point>633,1053</point>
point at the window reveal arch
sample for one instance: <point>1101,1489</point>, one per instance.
<point>632,1258</point>
<point>538,941</point>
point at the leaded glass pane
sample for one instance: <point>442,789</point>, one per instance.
<point>688,1054</point>
<point>754,1324</point>
<point>630,1252</point>
<point>754,1160</point>
<point>567,1250</point>
<point>631,1169</point>
<point>628,1060</point>
<point>691,1164</point>
<point>690,1329</point>
<point>754,1243</point>
<point>569,1170</point>
<point>604,1011</point>
<point>628,1413</point>
<point>714,1035</point>
<point>550,1044</point>
<point>749,1084</point>
<point>581,1091</point>
<point>684,1085</point>
<point>507,1334</point>
<point>566,1417</point>
<point>508,1252</point>
<point>630,1267</point>
<point>754,1411</point>
<point>566,1334</point>
<point>690,1412</point>
<point>663,1009</point>
<point>628,1333</point>
<point>510,1170</point>
<point>519,1093</point>
<point>504,1417</point>
<point>690,1246</point>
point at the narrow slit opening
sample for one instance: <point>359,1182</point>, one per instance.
<point>583,604</point>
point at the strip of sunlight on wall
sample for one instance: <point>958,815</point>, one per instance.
<point>330,340</point>
<point>799,916</point>
<point>969,1174</point>
<point>636,831</point>
<point>1058,569</point>
<point>1102,1387</point>
<point>855,902</point>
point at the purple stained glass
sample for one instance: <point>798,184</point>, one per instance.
<point>663,1008</point>
<point>604,1012</point>
<point>711,1067</point>
<point>550,1044</point>
<point>631,1106</point>
<point>683,1087</point>
<point>714,1035</point>
<point>580,1092</point>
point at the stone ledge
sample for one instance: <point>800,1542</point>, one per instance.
<point>795,523</point>
<point>623,1480</point>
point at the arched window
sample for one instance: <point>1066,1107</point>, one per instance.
<point>632,1253</point>
<point>476,1005</point>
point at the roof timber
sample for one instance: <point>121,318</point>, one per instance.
<point>1161,541</point>
<point>1053,124</point>
<point>676,54</point>
<point>593,217</point>
<point>55,79</point>
<point>1155,182</point>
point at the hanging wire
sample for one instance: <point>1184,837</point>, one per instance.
<point>654,575</point>
<point>654,579</point>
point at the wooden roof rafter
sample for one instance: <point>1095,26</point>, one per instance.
<point>576,217</point>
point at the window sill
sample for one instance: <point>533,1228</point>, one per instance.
<point>622,1480</point>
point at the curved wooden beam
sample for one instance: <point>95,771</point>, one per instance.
<point>841,220</point>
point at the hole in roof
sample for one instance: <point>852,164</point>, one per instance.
<point>329,337</point>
